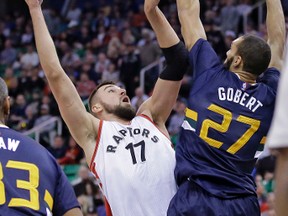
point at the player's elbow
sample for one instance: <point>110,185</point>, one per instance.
<point>52,70</point>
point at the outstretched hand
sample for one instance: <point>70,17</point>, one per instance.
<point>33,3</point>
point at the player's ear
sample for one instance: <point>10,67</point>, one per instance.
<point>6,106</point>
<point>237,61</point>
<point>97,108</point>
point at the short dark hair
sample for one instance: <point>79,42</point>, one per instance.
<point>95,91</point>
<point>3,93</point>
<point>256,54</point>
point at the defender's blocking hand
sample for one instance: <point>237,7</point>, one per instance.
<point>33,3</point>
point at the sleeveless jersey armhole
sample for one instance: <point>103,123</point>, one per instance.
<point>97,143</point>
<point>149,119</point>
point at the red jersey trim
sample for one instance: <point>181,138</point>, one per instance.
<point>107,207</point>
<point>97,145</point>
<point>149,119</point>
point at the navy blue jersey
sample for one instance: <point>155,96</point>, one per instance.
<point>31,181</point>
<point>226,124</point>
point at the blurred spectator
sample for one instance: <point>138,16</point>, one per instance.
<point>89,57</point>
<point>176,120</point>
<point>101,64</point>
<point>92,211</point>
<point>58,147</point>
<point>74,13</point>
<point>139,98</point>
<point>29,80</point>
<point>244,7</point>
<point>85,86</point>
<point>17,112</point>
<point>37,83</point>
<point>111,73</point>
<point>50,101</point>
<point>69,59</point>
<point>271,205</point>
<point>113,49</point>
<point>128,37</point>
<point>149,53</point>
<point>263,31</point>
<point>84,177</point>
<point>9,54</point>
<point>229,17</point>
<point>14,89</point>
<point>28,36</point>
<point>230,36</point>
<point>85,35</point>
<point>101,33</point>
<point>215,38</point>
<point>73,153</point>
<point>28,121</point>
<point>96,46</point>
<point>138,19</point>
<point>88,68</point>
<point>8,76</point>
<point>251,28</point>
<point>268,181</point>
<point>48,131</point>
<point>261,193</point>
<point>90,200</point>
<point>130,65</point>
<point>148,48</point>
<point>30,57</point>
<point>266,164</point>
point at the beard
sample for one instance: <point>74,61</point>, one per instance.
<point>126,113</point>
<point>228,63</point>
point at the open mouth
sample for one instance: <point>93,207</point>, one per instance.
<point>125,99</point>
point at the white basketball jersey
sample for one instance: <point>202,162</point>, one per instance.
<point>135,166</point>
<point>278,136</point>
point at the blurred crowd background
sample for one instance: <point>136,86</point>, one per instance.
<point>99,40</point>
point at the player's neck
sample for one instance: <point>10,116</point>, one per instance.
<point>116,119</point>
<point>246,77</point>
<point>2,122</point>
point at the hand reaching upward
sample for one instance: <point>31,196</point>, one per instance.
<point>34,3</point>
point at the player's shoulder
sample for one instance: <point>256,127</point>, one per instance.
<point>270,78</point>
<point>144,117</point>
<point>27,142</point>
<point>269,73</point>
<point>13,136</point>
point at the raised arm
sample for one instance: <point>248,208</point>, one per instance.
<point>191,26</point>
<point>275,22</point>
<point>167,87</point>
<point>80,123</point>
<point>166,36</point>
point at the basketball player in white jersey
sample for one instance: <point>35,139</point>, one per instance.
<point>278,142</point>
<point>130,155</point>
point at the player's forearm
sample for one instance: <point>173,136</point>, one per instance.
<point>281,191</point>
<point>189,17</point>
<point>275,24</point>
<point>165,34</point>
<point>44,43</point>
